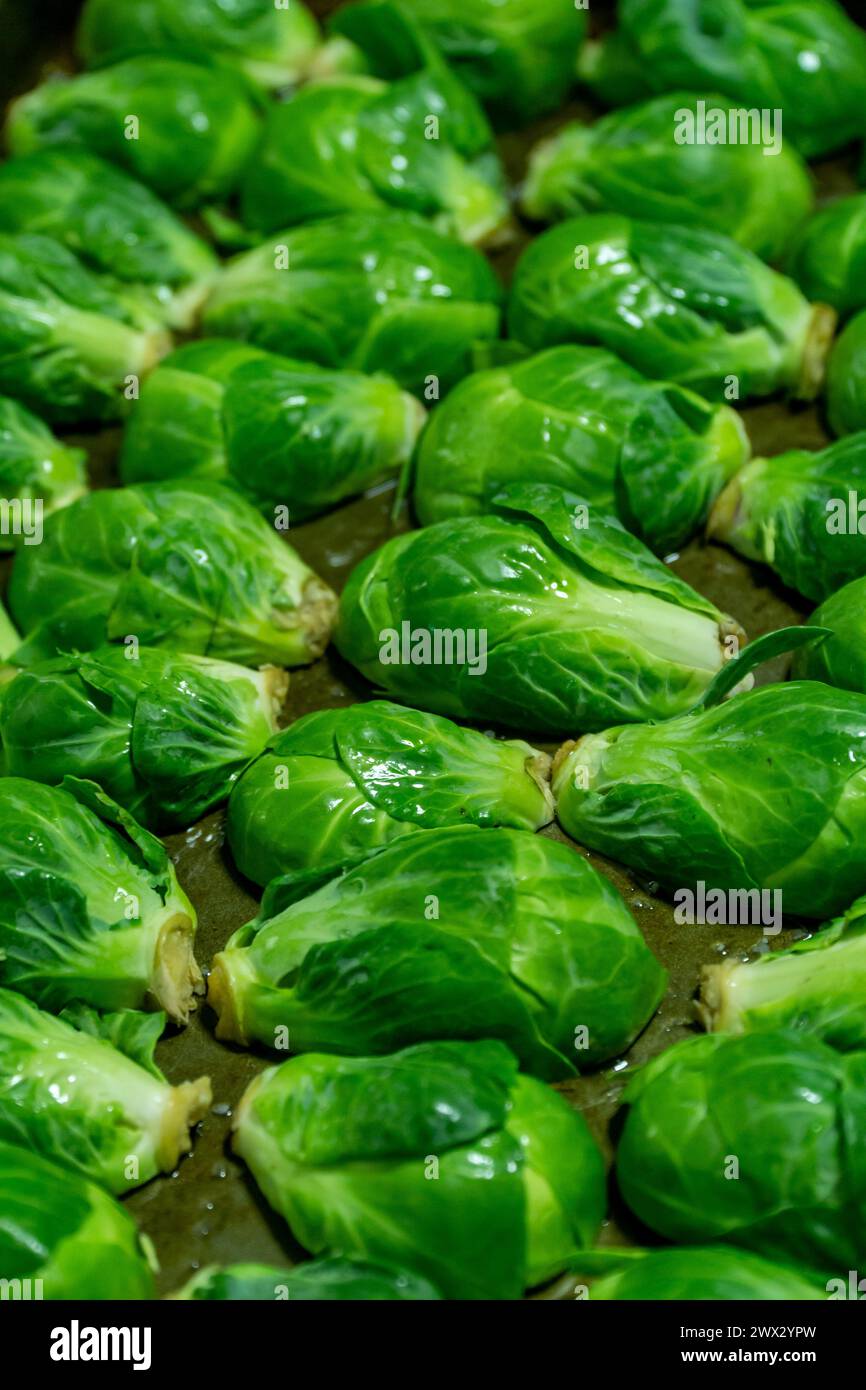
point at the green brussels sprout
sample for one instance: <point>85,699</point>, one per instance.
<point>91,1098</point>
<point>803,58</point>
<point>114,224</point>
<point>798,512</point>
<point>694,799</point>
<point>786,1109</point>
<point>840,659</point>
<point>69,340</point>
<point>713,1272</point>
<point>273,44</point>
<point>378,771</point>
<point>846,379</point>
<point>335,1279</point>
<point>339,784</point>
<point>365,964</point>
<point>184,129</point>
<point>817,986</point>
<point>185,565</point>
<point>359,145</point>
<point>90,908</point>
<point>35,467</point>
<point>343,1147</point>
<point>165,736</point>
<point>679,303</point>
<point>541,615</point>
<point>284,433</point>
<point>654,454</point>
<point>517,58</point>
<point>632,162</point>
<point>371,291</point>
<point>828,259</point>
<point>64,1238</point>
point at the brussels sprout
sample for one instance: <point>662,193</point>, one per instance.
<point>35,467</point>
<point>107,1111</point>
<point>766,791</point>
<point>632,162</point>
<point>341,783</point>
<point>799,513</point>
<point>114,224</point>
<point>65,1238</point>
<point>783,1107</point>
<point>69,341</point>
<point>344,1149</point>
<point>543,614</point>
<point>334,1279</point>
<point>641,290</point>
<point>273,44</point>
<point>186,565</point>
<point>184,129</point>
<point>655,454</point>
<point>282,432</point>
<point>166,736</point>
<point>846,379</point>
<point>358,145</point>
<point>817,986</point>
<point>713,1272</point>
<point>517,58</point>
<point>90,908</point>
<point>802,59</point>
<point>372,291</point>
<point>369,961</point>
<point>840,659</point>
<point>828,260</point>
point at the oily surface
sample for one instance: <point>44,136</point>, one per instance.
<point>209,1211</point>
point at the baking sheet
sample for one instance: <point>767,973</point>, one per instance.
<point>209,1211</point>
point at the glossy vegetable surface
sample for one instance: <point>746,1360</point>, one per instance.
<point>770,1161</point>
<point>817,986</point>
<point>654,454</point>
<point>65,1238</point>
<point>846,378</point>
<point>640,289</point>
<point>540,615</point>
<point>116,225</point>
<point>185,565</point>
<point>765,791</point>
<point>803,58</point>
<point>829,258</point>
<point>518,58</point>
<point>800,513</point>
<point>841,658</point>
<point>371,291</point>
<point>356,144</point>
<point>440,1158</point>
<point>71,343</point>
<point>638,161</point>
<point>284,433</point>
<point>273,44</point>
<point>90,908</point>
<point>165,735</point>
<point>35,467</point>
<point>452,934</point>
<point>85,1092</point>
<point>185,129</point>
<point>339,784</point>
